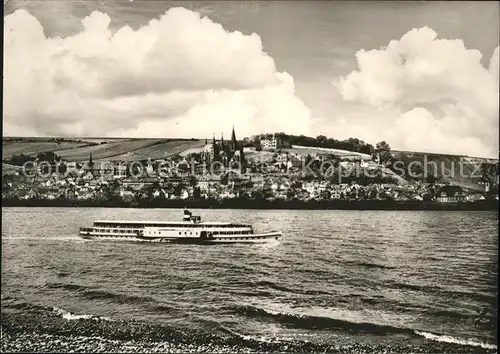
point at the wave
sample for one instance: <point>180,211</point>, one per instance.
<point>249,338</point>
<point>453,340</point>
<point>36,308</point>
<point>164,308</point>
<point>372,265</point>
<point>72,317</point>
<point>67,286</point>
<point>21,305</point>
<point>115,329</point>
<point>114,297</point>
<point>318,322</point>
<point>440,291</point>
<point>94,294</point>
<point>48,238</point>
<point>274,286</point>
<point>452,314</point>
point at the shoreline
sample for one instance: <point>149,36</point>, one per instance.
<point>23,333</point>
<point>34,342</point>
<point>482,205</point>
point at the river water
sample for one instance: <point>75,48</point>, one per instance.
<point>344,277</point>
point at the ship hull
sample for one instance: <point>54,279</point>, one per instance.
<point>226,239</point>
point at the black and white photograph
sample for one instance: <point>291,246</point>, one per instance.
<point>250,176</point>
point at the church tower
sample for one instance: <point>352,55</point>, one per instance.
<point>222,144</point>
<point>233,144</point>
<point>215,149</point>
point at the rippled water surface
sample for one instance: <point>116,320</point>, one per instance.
<point>335,275</point>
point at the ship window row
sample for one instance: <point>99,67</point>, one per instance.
<point>134,226</point>
<point>238,232</point>
<point>246,232</point>
<point>113,236</point>
<point>180,233</point>
<point>115,231</point>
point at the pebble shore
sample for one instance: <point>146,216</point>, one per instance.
<point>47,332</point>
<point>44,343</point>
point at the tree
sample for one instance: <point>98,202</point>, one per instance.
<point>325,194</point>
<point>383,150</point>
<point>19,160</point>
<point>48,156</point>
<point>196,193</point>
<point>367,149</point>
<point>427,197</point>
<point>488,172</point>
<point>179,188</point>
<point>361,193</point>
<point>321,140</point>
<point>430,178</point>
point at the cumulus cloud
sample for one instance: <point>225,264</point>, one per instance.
<point>438,95</point>
<point>494,63</point>
<point>180,75</point>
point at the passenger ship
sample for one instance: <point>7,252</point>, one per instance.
<point>190,230</point>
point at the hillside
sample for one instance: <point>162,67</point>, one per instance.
<point>462,170</point>
<point>7,168</point>
<point>79,149</point>
<point>10,148</point>
<point>161,149</point>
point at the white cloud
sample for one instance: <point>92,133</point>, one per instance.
<point>437,95</point>
<point>419,126</point>
<point>180,75</point>
<point>494,62</point>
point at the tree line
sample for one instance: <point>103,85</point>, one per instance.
<point>285,141</point>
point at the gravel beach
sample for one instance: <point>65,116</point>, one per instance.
<point>34,342</point>
<point>49,333</point>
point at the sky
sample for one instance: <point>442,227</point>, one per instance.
<point>422,76</point>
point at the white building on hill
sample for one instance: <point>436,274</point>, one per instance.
<point>269,144</point>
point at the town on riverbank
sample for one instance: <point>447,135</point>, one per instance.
<point>265,171</point>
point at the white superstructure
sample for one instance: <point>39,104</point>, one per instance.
<point>190,230</point>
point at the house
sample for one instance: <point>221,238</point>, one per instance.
<point>31,194</point>
<point>257,178</point>
<point>62,182</point>
<point>474,197</point>
<point>120,171</point>
<point>175,180</point>
<point>269,144</point>
<point>88,176</point>
<point>450,194</point>
<point>71,166</point>
<point>335,194</point>
<point>203,185</point>
<point>126,194</point>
